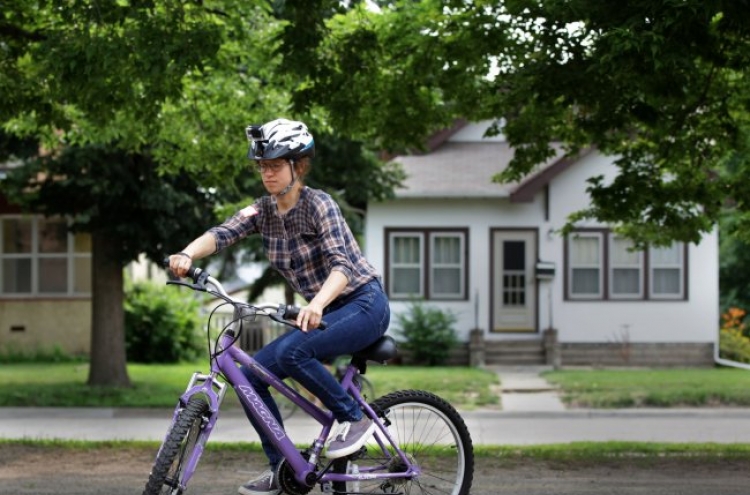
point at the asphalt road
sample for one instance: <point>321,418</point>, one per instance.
<point>37,470</point>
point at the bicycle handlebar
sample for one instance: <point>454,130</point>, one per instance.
<point>283,313</point>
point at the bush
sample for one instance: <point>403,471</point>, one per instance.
<point>427,333</point>
<point>734,343</point>
<point>162,324</point>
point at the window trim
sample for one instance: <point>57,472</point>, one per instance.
<point>70,255</point>
<point>427,235</point>
<point>605,269</point>
<point>569,267</point>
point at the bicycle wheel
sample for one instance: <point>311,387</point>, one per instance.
<point>167,474</point>
<point>286,407</point>
<point>432,435</point>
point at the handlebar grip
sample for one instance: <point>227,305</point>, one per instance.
<point>190,273</point>
<point>291,312</point>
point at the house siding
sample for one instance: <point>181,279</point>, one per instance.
<point>41,325</point>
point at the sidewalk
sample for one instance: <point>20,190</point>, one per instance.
<point>532,414</point>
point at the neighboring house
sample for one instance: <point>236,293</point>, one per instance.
<point>45,284</point>
<point>491,253</point>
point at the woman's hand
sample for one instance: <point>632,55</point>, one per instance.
<point>309,316</point>
<point>180,263</point>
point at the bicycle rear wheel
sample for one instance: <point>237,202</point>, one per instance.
<point>167,476</point>
<point>432,435</point>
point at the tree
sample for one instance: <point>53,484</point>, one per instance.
<point>103,89</point>
<point>140,110</point>
<point>661,85</point>
<point>128,209</point>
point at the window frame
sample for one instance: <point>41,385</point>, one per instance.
<point>606,267</point>
<point>36,255</point>
<point>427,263</point>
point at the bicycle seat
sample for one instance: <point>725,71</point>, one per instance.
<point>380,351</point>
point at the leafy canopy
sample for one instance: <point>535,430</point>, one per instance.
<point>661,85</point>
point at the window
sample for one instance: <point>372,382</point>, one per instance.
<point>666,272</point>
<point>625,269</point>
<point>427,264</point>
<point>602,265</point>
<point>40,258</point>
<point>586,266</point>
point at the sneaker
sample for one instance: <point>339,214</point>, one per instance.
<point>265,484</point>
<point>349,438</point>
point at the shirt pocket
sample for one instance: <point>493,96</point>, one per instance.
<point>277,251</point>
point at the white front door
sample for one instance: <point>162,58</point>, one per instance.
<point>514,291</point>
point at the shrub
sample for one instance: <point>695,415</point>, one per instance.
<point>734,343</point>
<point>428,333</point>
<point>162,325</point>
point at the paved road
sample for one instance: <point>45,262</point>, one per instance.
<point>486,427</point>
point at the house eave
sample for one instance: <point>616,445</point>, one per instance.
<point>452,195</point>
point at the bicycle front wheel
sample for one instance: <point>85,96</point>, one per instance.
<point>167,475</point>
<point>433,436</point>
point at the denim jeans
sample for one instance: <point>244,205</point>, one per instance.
<point>352,323</point>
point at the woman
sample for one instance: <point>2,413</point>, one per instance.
<point>308,241</point>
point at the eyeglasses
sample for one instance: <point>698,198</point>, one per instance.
<point>272,166</point>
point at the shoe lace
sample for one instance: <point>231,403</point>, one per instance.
<point>266,475</point>
<point>342,431</point>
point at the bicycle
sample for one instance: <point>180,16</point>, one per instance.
<point>420,444</point>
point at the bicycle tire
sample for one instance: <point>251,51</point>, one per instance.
<point>431,433</point>
<point>287,408</point>
<point>166,474</point>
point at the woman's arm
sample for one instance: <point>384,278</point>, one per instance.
<point>311,315</point>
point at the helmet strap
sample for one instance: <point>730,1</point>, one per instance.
<point>291,184</point>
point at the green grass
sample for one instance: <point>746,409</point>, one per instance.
<point>653,388</point>
<point>64,385</point>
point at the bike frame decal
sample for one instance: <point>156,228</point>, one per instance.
<point>263,413</point>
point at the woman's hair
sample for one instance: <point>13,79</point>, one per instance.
<point>302,167</point>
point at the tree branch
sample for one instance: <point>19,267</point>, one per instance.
<point>15,32</point>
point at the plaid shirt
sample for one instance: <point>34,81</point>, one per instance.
<point>305,244</point>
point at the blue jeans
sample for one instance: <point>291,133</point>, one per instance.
<point>352,323</point>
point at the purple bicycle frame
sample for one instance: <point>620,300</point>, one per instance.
<point>304,469</point>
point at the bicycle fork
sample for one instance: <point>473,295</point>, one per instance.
<point>206,386</point>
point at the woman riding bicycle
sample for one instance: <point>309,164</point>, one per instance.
<point>310,244</point>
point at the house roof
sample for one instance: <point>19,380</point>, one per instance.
<point>465,169</point>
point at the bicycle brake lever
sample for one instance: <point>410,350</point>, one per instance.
<point>200,287</point>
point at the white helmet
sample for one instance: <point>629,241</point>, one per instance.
<point>280,138</point>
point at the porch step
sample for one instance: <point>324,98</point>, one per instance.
<point>514,353</point>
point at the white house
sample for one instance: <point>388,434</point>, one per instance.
<point>486,251</point>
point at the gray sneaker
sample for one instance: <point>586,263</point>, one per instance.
<point>265,484</point>
<point>349,438</point>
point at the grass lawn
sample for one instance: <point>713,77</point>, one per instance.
<point>653,388</point>
<point>64,385</point>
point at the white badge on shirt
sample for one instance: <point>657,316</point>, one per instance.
<point>249,211</point>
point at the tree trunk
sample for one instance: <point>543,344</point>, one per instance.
<point>108,362</point>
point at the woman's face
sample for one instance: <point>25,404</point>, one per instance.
<point>276,174</point>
